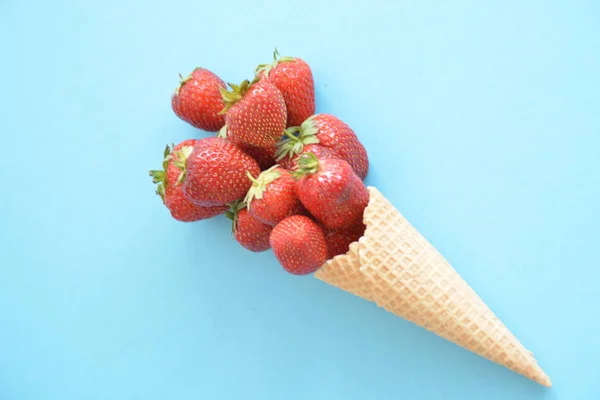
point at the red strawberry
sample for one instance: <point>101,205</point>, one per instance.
<point>339,240</point>
<point>331,191</point>
<point>247,230</point>
<point>271,197</point>
<point>299,244</point>
<point>197,100</point>
<point>265,157</point>
<point>170,191</point>
<point>289,161</point>
<point>214,173</point>
<point>255,114</point>
<point>330,132</point>
<point>294,79</point>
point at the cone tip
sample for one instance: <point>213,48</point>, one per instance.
<point>537,374</point>
<point>544,379</point>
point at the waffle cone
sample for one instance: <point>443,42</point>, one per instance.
<point>394,266</point>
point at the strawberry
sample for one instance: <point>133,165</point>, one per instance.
<point>330,191</point>
<point>255,114</point>
<point>271,197</point>
<point>331,132</point>
<point>170,191</point>
<point>214,172</point>
<point>294,79</point>
<point>247,230</point>
<point>339,240</point>
<point>299,245</point>
<point>289,161</point>
<point>197,100</point>
<point>265,157</point>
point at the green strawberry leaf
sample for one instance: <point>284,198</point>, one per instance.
<point>232,214</point>
<point>309,127</point>
<point>180,161</point>
<point>307,164</point>
<point>266,68</point>
<point>259,184</point>
<point>222,132</point>
<point>160,177</point>
<point>182,81</point>
<point>295,141</point>
<point>236,94</point>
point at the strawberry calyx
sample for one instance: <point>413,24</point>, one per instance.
<point>232,213</point>
<point>222,132</point>
<point>296,138</point>
<point>309,127</point>
<point>259,184</point>
<point>266,68</point>
<point>159,177</point>
<point>182,81</point>
<point>236,94</point>
<point>290,145</point>
<point>307,164</point>
<point>180,158</point>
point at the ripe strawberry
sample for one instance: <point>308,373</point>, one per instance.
<point>330,191</point>
<point>255,114</point>
<point>247,230</point>
<point>299,244</point>
<point>265,157</point>
<point>214,173</point>
<point>271,197</point>
<point>331,132</point>
<point>197,100</point>
<point>288,161</point>
<point>339,240</point>
<point>294,79</point>
<point>170,191</point>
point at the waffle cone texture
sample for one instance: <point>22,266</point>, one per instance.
<point>394,266</point>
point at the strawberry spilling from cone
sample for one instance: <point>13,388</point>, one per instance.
<point>292,180</point>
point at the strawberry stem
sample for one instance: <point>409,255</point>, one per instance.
<point>294,144</point>
<point>253,179</point>
<point>290,133</point>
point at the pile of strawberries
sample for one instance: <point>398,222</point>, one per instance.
<point>288,178</point>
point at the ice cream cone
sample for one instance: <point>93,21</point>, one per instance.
<point>394,266</point>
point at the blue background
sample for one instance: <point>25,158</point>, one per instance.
<point>483,126</point>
